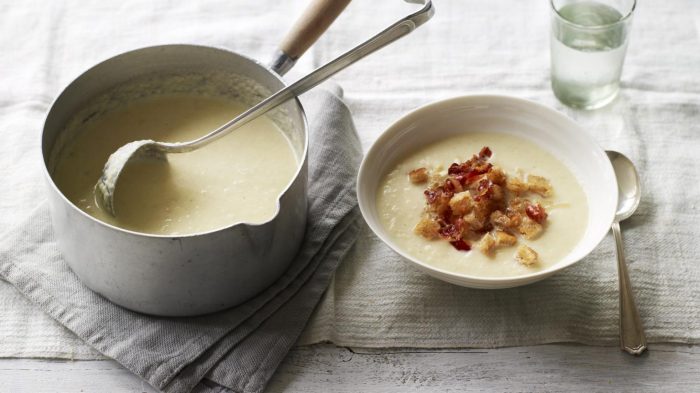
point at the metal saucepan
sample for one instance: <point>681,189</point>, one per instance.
<point>204,272</point>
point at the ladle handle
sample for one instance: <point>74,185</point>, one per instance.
<point>632,337</point>
<point>384,38</point>
<point>317,17</point>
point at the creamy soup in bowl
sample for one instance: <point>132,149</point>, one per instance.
<point>421,189</point>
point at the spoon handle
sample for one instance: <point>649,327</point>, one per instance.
<point>632,338</point>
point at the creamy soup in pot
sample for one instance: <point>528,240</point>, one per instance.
<point>553,217</point>
<point>237,178</point>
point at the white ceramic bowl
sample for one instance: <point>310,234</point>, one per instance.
<point>551,130</point>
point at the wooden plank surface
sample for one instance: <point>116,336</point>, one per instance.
<point>323,368</point>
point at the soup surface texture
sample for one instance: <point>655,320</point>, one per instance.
<point>400,205</point>
<point>237,178</point>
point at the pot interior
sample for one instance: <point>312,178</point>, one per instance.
<point>162,70</point>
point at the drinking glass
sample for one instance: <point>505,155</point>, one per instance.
<point>588,44</point>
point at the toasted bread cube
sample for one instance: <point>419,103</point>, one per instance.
<point>526,255</point>
<point>472,222</point>
<point>483,210</point>
<point>504,239</point>
<point>539,185</point>
<point>487,245</point>
<point>456,186</point>
<point>427,228</point>
<point>517,205</point>
<point>497,176</point>
<point>516,186</point>
<point>497,193</point>
<point>529,228</point>
<point>418,176</point>
<point>461,203</point>
<point>500,220</point>
<point>515,218</point>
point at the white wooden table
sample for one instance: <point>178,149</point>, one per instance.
<point>323,368</point>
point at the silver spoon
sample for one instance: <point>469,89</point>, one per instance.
<point>105,188</point>
<point>632,338</point>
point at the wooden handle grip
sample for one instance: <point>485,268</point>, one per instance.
<point>312,23</point>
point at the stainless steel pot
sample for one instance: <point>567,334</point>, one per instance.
<point>167,275</point>
<point>205,272</point>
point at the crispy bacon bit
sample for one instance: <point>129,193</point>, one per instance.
<point>454,169</point>
<point>418,176</point>
<point>536,212</point>
<point>431,195</point>
<point>478,171</point>
<point>453,231</point>
<point>461,245</point>
<point>453,185</point>
<point>484,190</point>
<point>478,201</point>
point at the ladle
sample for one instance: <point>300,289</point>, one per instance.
<point>150,149</point>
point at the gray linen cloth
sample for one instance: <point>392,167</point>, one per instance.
<point>239,348</point>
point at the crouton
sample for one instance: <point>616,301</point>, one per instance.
<point>427,228</point>
<point>497,193</point>
<point>529,228</point>
<point>497,176</point>
<point>504,239</point>
<point>516,186</point>
<point>473,222</point>
<point>418,176</point>
<point>500,220</point>
<point>461,203</point>
<point>482,210</point>
<point>526,255</point>
<point>487,245</point>
<point>517,205</point>
<point>539,185</point>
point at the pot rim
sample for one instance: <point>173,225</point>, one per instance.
<point>300,166</point>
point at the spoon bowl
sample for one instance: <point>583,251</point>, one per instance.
<point>105,187</point>
<point>628,183</point>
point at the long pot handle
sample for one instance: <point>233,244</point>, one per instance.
<point>317,17</point>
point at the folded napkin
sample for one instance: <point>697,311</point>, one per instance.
<point>236,349</point>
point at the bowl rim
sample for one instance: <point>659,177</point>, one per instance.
<point>467,279</point>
